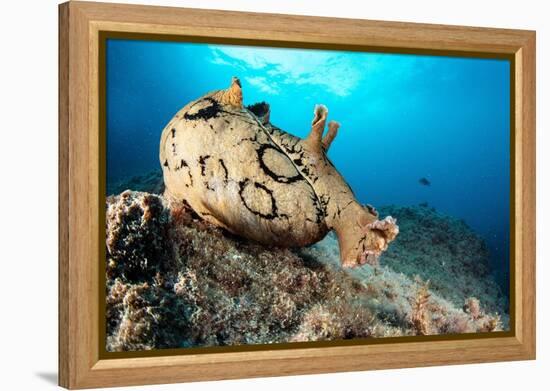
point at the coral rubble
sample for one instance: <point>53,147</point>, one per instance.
<point>174,280</point>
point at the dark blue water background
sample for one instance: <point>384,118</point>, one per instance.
<point>403,117</point>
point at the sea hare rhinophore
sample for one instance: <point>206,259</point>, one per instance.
<point>238,171</point>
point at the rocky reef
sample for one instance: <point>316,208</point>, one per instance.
<point>174,280</point>
<point>444,250</point>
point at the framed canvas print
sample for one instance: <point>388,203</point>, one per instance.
<point>249,195</point>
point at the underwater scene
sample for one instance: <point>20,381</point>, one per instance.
<point>260,195</point>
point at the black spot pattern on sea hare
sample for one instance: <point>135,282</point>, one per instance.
<point>202,163</point>
<point>186,171</point>
<point>276,177</point>
<point>225,173</point>
<point>325,200</point>
<point>259,109</point>
<point>268,216</point>
<point>205,113</point>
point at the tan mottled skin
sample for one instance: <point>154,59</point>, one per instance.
<point>240,172</point>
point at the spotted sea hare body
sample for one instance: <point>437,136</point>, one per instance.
<point>238,171</point>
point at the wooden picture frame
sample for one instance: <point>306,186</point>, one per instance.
<point>81,364</point>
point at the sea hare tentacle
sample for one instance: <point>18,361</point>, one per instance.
<point>333,127</point>
<point>317,126</point>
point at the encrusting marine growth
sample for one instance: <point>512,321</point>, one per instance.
<point>238,171</point>
<point>176,281</point>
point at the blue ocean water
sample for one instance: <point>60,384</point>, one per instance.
<point>403,117</point>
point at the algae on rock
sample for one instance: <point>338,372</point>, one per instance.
<point>174,280</point>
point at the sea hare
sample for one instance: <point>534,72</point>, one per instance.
<point>238,171</point>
